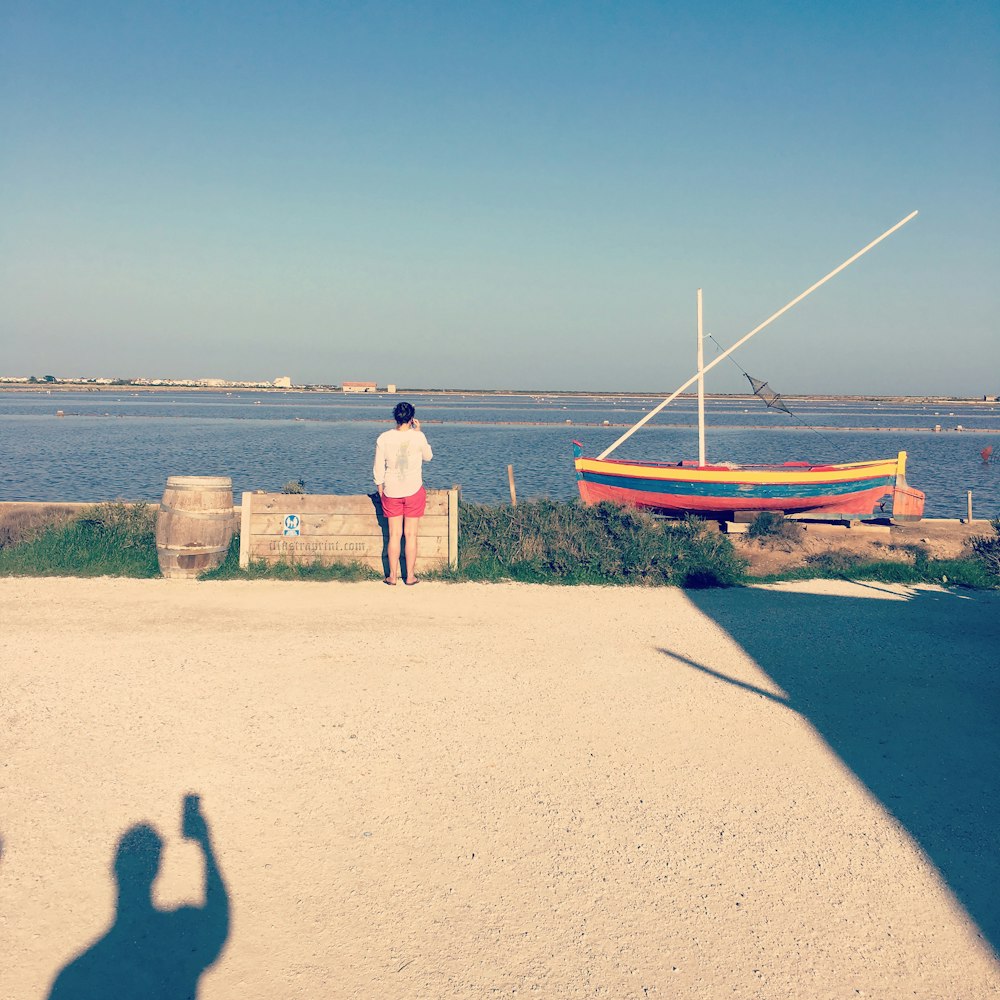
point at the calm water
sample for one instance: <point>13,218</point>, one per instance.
<point>122,444</point>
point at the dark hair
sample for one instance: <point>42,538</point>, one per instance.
<point>403,413</point>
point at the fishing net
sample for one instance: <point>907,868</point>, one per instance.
<point>770,398</point>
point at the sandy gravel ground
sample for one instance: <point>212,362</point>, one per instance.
<point>479,791</point>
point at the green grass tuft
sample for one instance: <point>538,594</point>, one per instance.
<point>20,524</point>
<point>109,539</point>
<point>540,541</point>
<point>543,541</point>
<point>986,548</point>
<point>770,526</point>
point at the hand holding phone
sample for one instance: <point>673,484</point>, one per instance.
<point>193,824</point>
<point>416,424</point>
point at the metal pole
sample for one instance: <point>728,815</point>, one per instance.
<point>701,386</point>
<point>739,343</point>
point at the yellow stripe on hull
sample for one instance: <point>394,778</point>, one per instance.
<point>773,475</point>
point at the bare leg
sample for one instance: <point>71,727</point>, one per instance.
<point>395,537</point>
<point>411,527</point>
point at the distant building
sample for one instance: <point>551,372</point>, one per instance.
<point>360,386</point>
<point>390,388</point>
<point>283,382</point>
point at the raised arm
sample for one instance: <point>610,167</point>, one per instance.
<point>215,913</point>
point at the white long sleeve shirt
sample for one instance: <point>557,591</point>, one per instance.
<point>398,459</point>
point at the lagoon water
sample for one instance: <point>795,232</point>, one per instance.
<point>123,444</point>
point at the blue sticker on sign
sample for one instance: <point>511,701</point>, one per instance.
<point>292,525</point>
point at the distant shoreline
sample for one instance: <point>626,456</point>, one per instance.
<point>567,425</point>
<point>52,388</point>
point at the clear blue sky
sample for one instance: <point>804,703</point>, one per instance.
<point>524,195</point>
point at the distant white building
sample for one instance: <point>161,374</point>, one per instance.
<point>390,388</point>
<point>360,386</point>
<point>283,382</point>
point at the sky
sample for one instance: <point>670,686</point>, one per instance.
<point>521,195</point>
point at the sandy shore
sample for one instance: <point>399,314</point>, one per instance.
<point>476,791</point>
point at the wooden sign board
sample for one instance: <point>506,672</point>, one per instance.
<point>326,528</point>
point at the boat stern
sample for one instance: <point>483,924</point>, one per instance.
<point>907,502</point>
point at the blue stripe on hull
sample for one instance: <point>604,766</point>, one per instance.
<point>758,491</point>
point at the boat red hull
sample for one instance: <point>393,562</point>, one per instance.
<point>852,490</point>
<point>860,504</point>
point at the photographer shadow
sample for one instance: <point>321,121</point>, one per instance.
<point>147,952</point>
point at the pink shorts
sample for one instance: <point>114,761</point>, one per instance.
<point>411,506</point>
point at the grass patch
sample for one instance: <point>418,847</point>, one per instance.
<point>543,541</point>
<point>769,526</point>
<point>108,539</point>
<point>230,569</point>
<point>843,566</point>
<point>20,524</point>
<point>260,570</point>
<point>986,549</point>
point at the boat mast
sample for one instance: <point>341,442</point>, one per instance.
<point>701,387</point>
<point>739,343</point>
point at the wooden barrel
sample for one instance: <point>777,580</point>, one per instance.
<point>194,525</point>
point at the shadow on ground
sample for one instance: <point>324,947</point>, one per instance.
<point>151,953</point>
<point>907,693</point>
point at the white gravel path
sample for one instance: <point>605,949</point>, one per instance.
<point>476,791</point>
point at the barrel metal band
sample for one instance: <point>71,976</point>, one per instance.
<point>202,514</point>
<point>198,489</point>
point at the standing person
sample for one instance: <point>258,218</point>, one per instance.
<point>399,454</point>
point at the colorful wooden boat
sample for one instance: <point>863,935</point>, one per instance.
<point>719,490</point>
<point>850,490</point>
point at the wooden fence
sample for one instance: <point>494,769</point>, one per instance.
<point>326,528</point>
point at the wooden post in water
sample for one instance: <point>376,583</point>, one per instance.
<point>453,526</point>
<point>510,481</point>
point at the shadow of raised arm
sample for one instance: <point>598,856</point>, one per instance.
<point>150,953</point>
